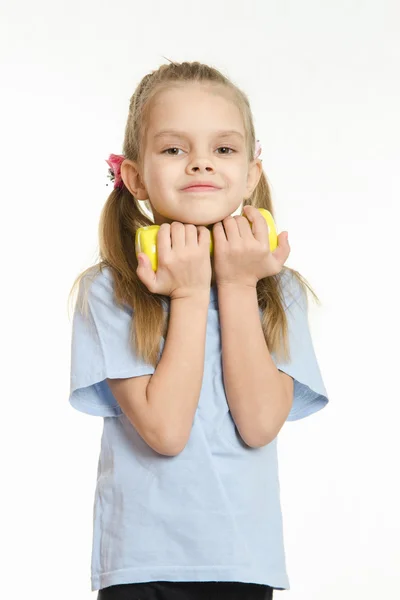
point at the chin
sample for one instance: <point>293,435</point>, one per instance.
<point>206,221</point>
<point>198,222</point>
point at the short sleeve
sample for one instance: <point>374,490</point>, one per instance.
<point>101,348</point>
<point>310,394</point>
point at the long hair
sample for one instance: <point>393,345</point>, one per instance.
<point>122,215</point>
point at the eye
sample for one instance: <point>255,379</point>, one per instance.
<point>168,149</point>
<point>226,148</point>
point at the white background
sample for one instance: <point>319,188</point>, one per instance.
<point>323,81</point>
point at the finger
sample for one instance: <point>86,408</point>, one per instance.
<point>244,227</point>
<point>145,272</point>
<point>177,235</point>
<point>204,235</point>
<point>191,235</point>
<point>219,234</point>
<point>283,249</point>
<point>164,239</point>
<point>259,226</point>
<point>231,229</point>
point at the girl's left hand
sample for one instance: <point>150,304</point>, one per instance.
<point>242,253</point>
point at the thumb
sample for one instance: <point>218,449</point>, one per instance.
<point>144,271</point>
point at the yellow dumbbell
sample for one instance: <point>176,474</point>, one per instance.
<point>146,238</point>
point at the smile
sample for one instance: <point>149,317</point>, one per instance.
<point>201,188</point>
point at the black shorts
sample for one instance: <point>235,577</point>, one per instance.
<point>192,590</point>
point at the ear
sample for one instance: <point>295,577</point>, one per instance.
<point>253,176</point>
<point>130,175</point>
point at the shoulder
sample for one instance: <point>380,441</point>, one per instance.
<point>98,278</point>
<point>96,284</point>
<point>293,290</point>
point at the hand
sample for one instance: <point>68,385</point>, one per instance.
<point>241,252</point>
<point>184,264</point>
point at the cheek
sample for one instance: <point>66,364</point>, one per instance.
<point>153,178</point>
<point>237,179</point>
<point>236,172</point>
<point>160,182</point>
<point>163,174</point>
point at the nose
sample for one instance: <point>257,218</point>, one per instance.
<point>200,165</point>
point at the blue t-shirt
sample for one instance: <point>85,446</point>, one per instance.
<point>211,513</point>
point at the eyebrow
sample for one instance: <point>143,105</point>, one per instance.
<point>176,133</point>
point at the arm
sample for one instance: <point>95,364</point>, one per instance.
<point>162,406</point>
<point>174,389</point>
<point>259,395</point>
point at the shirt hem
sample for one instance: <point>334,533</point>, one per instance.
<point>278,581</point>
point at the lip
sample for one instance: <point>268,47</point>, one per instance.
<point>201,188</point>
<point>200,185</point>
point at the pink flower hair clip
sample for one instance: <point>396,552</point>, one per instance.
<point>115,161</point>
<point>114,172</point>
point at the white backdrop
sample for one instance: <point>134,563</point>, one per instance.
<point>323,81</point>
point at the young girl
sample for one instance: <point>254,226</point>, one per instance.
<point>196,367</point>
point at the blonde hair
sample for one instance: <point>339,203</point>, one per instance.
<point>122,216</point>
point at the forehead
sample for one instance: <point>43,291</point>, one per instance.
<point>194,110</point>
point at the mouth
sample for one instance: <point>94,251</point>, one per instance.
<point>201,188</point>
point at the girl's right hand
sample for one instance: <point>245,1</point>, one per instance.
<point>184,263</point>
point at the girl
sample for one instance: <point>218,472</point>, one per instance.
<point>196,367</point>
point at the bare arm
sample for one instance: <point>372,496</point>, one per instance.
<point>162,406</point>
<point>174,389</point>
<point>259,395</point>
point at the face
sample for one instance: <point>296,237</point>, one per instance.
<point>195,135</point>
